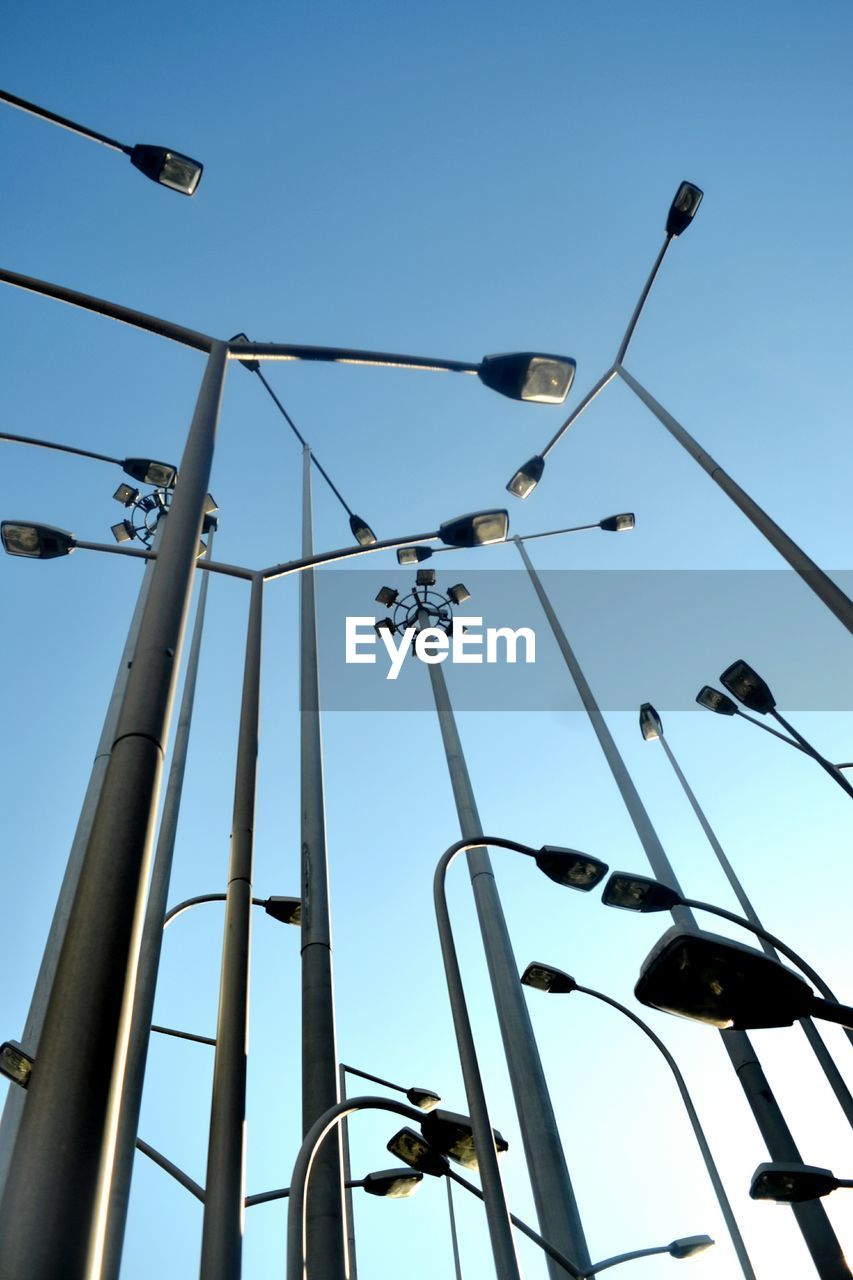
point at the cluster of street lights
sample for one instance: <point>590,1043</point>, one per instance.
<point>59,1201</point>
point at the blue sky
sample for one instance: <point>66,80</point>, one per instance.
<point>447,180</point>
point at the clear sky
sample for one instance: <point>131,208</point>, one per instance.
<point>451,180</point>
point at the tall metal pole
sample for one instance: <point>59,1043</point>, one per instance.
<point>811,1217</point>
<point>16,1098</point>
<point>824,1057</point>
<point>346,1168</point>
<point>55,1205</point>
<point>222,1228</point>
<point>556,1207</point>
<point>813,576</point>
<point>325,1208</point>
<point>149,954</point>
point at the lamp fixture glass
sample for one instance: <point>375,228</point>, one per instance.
<point>458,594</point>
<point>393,1184</point>
<point>650,722</point>
<point>285,910</point>
<point>387,596</point>
<point>621,523</point>
<point>35,541</point>
<point>683,208</point>
<point>148,471</point>
<point>362,531</point>
<point>414,1150</point>
<point>726,984</point>
<point>126,494</point>
<point>423,1098</point>
<point>254,366</point>
<point>169,168</point>
<point>425,578</point>
<point>543,977</point>
<point>384,624</point>
<point>478,529</point>
<point>413,555</point>
<point>789,1183</point>
<point>452,1135</point>
<point>527,477</point>
<point>525,375</point>
<point>570,867</point>
<point>748,687</point>
<point>713,700</point>
<point>638,893</point>
<point>689,1246</point>
<point>123,531</point>
<point>15,1063</point>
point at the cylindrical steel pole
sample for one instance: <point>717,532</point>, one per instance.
<point>824,1057</point>
<point>149,954</point>
<point>813,576</point>
<point>811,1216</point>
<point>556,1207</point>
<point>325,1208</point>
<point>55,1206</point>
<point>16,1098</point>
<point>454,1239</point>
<point>347,1172</point>
<point>222,1229</point>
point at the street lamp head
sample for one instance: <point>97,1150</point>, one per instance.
<point>711,979</point>
<point>525,375</point>
<point>650,722</point>
<point>620,523</point>
<point>414,1150</point>
<point>169,168</point>
<point>788,1183</point>
<point>254,366</point>
<point>458,594</point>
<point>393,1184</point>
<point>425,578</point>
<point>748,687</point>
<point>638,893</point>
<point>413,555</point>
<point>126,495</point>
<point>123,531</point>
<point>543,977</point>
<point>453,1136</point>
<point>15,1063</point>
<point>285,910</point>
<point>384,624</point>
<point>688,1246</point>
<point>570,868</point>
<point>147,471</point>
<point>683,208</point>
<point>387,596</point>
<point>425,1099</point>
<point>35,541</point>
<point>361,531</point>
<point>713,700</point>
<point>527,477</point>
<point>479,529</point>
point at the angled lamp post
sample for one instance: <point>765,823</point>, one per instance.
<point>651,727</point>
<point>160,164</point>
<point>816,1228</point>
<point>542,977</point>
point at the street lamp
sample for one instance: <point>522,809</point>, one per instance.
<point>744,682</point>
<point>168,168</point>
<point>792,1183</point>
<point>816,1229</point>
<point>708,978</point>
<point>543,977</point>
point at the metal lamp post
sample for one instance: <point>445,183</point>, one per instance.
<point>554,1197</point>
<point>546,978</point>
<point>816,1229</point>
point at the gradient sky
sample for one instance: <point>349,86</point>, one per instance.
<point>450,180</point>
